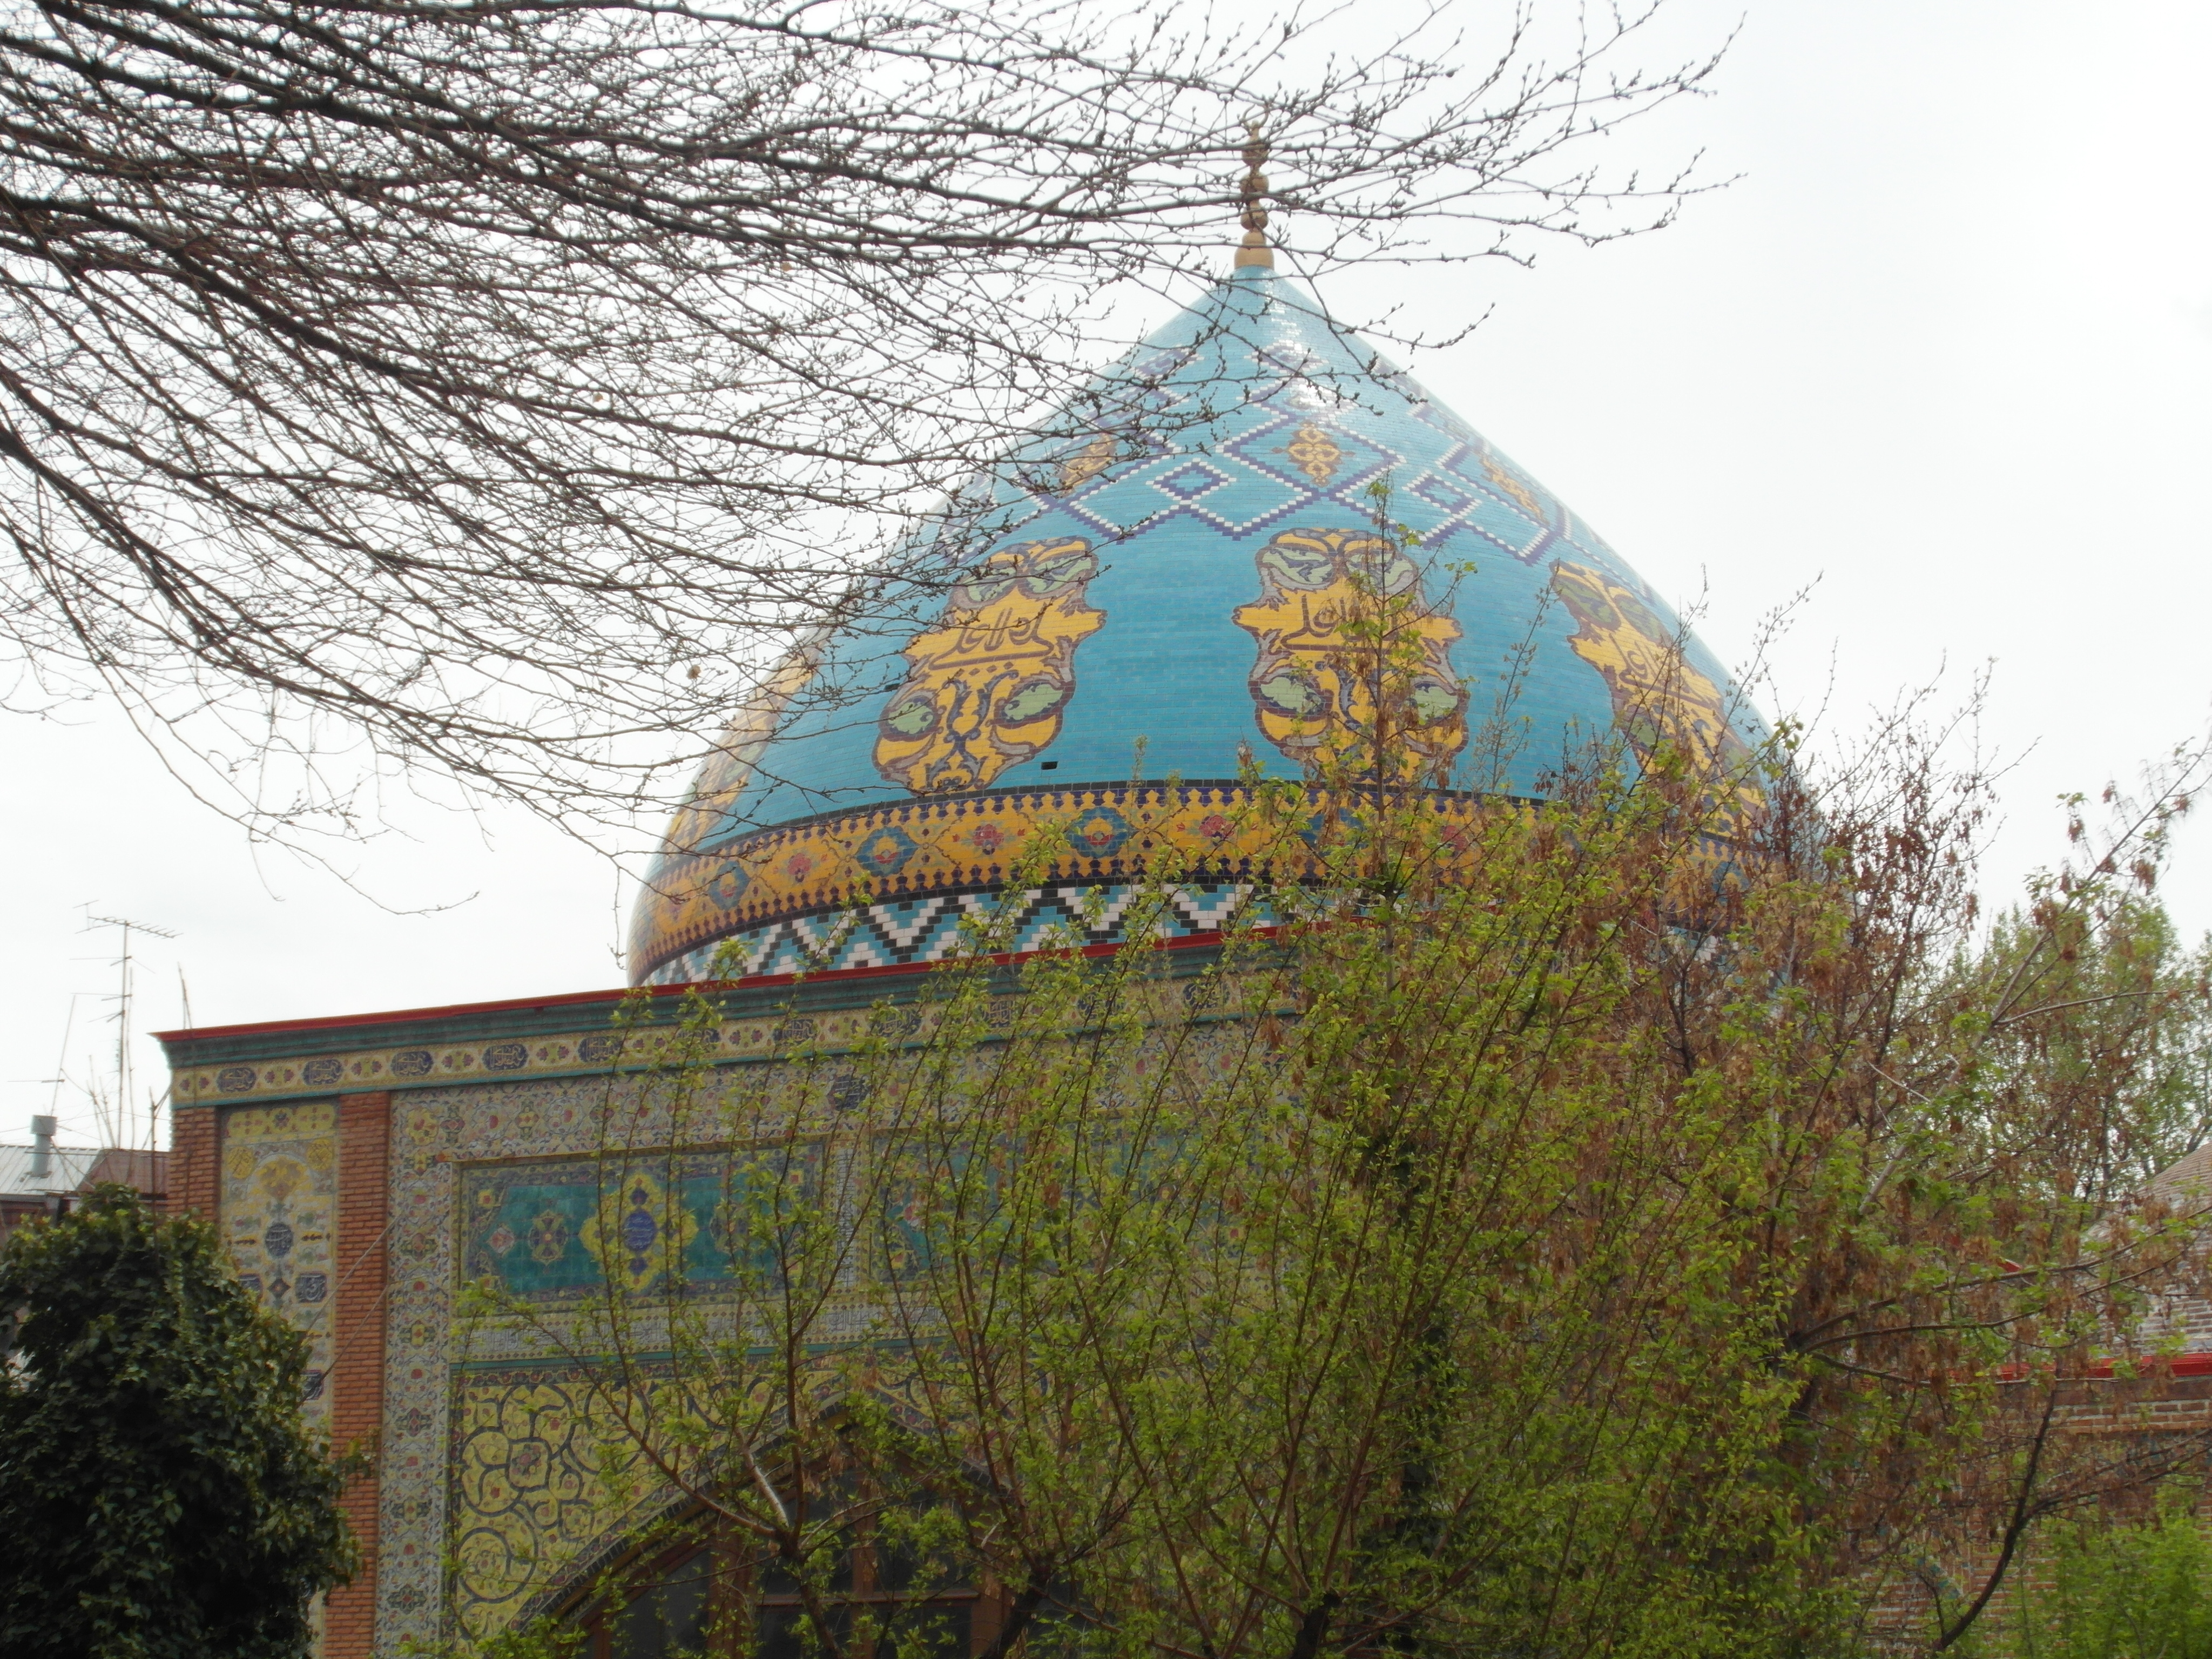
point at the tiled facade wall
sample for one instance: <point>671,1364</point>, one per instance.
<point>279,1210</point>
<point>299,1193</point>
<point>490,1489</point>
<point>489,1492</point>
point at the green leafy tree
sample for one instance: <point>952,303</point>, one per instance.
<point>160,1496</point>
<point>1659,1221</point>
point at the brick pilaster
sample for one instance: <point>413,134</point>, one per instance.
<point>195,1174</point>
<point>356,1381</point>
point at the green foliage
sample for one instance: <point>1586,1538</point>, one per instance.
<point>2138,1002</point>
<point>160,1497</point>
<point>1397,1302</point>
<point>2138,1588</point>
<point>1655,1223</point>
<point>541,1638</point>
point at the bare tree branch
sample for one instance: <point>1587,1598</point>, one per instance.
<point>493,391</point>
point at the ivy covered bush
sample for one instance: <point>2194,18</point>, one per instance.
<point>160,1496</point>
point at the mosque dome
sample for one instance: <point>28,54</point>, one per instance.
<point>1132,605</point>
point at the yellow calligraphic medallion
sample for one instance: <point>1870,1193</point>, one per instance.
<point>1088,462</point>
<point>1343,629</point>
<point>1658,697</point>
<point>1315,454</point>
<point>281,1177</point>
<point>988,686</point>
<point>641,1231</point>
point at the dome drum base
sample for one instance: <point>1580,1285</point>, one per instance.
<point>916,932</point>
<point>1199,836</point>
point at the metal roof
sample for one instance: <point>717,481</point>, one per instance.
<point>64,1174</point>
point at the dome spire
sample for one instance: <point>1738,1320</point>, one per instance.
<point>1255,251</point>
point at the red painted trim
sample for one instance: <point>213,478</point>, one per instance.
<point>754,982</point>
<point>2179,1365</point>
<point>397,1015</point>
<point>2150,1365</point>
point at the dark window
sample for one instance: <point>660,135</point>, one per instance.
<point>890,1600</point>
<point>667,1619</point>
<point>887,1597</point>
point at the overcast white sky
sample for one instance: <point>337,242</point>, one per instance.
<point>1945,350</point>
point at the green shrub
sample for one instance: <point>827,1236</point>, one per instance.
<point>2125,1589</point>
<point>160,1497</point>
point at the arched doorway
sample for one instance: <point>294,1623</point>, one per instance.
<point>705,1591</point>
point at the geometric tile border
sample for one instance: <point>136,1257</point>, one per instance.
<point>587,1053</point>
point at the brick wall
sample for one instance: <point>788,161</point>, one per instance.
<point>2152,1411</point>
<point>195,1170</point>
<point>357,1362</point>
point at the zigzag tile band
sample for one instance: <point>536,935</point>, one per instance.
<point>919,930</point>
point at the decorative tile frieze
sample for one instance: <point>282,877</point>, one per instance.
<point>497,1487</point>
<point>904,931</point>
<point>876,856</point>
<point>496,1060</point>
<point>820,1005</point>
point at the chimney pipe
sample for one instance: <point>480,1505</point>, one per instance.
<point>42,1147</point>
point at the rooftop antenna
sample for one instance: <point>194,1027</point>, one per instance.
<point>61,1066</point>
<point>125,989</point>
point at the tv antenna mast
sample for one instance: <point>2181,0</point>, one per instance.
<point>119,1132</point>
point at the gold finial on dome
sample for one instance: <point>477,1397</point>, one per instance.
<point>1255,251</point>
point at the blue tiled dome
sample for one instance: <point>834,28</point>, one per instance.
<point>1145,592</point>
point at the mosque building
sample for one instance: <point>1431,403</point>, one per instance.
<point>1138,621</point>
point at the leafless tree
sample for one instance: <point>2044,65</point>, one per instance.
<point>488,391</point>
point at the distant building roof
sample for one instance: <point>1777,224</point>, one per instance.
<point>66,1170</point>
<point>131,1166</point>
